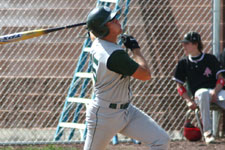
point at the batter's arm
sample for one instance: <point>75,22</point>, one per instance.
<point>143,71</point>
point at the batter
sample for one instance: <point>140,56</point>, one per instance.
<point>111,111</point>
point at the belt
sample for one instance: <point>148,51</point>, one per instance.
<point>106,104</point>
<point>118,106</point>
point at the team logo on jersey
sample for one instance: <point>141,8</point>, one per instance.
<point>207,72</point>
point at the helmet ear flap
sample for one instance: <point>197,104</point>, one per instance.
<point>101,31</point>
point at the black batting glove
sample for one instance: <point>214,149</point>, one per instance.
<point>129,41</point>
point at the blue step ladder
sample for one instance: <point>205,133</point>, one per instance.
<point>78,90</point>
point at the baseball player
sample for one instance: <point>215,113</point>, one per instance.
<point>111,111</point>
<point>203,74</point>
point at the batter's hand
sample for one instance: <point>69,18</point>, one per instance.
<point>129,41</point>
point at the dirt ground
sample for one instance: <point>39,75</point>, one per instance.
<point>174,145</point>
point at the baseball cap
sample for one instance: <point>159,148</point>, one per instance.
<point>191,37</point>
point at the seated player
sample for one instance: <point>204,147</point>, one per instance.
<point>203,74</point>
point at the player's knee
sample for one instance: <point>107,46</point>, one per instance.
<point>202,94</point>
<point>166,140</point>
<point>162,143</point>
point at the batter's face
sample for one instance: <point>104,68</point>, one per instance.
<point>114,27</point>
<point>190,48</point>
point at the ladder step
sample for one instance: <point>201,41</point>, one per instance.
<point>72,125</point>
<point>84,75</point>
<point>79,100</point>
<point>87,49</point>
<point>109,1</point>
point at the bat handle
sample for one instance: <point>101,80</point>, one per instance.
<point>65,27</point>
<point>75,25</point>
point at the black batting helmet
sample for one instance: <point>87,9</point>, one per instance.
<point>97,19</point>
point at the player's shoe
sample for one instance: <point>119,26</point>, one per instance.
<point>209,137</point>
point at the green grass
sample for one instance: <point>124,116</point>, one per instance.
<point>49,147</point>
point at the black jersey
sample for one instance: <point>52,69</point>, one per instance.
<point>200,72</point>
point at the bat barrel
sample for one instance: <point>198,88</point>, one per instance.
<point>34,33</point>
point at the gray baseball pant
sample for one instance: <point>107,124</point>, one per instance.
<point>104,123</point>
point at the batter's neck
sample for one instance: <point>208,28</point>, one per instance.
<point>112,39</point>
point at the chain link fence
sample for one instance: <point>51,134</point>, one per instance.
<point>35,74</point>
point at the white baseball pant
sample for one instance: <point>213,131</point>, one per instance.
<point>202,99</point>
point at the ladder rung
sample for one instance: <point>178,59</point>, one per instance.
<point>79,100</point>
<point>84,74</point>
<point>87,49</point>
<point>72,125</point>
<point>110,1</point>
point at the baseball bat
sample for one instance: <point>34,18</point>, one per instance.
<point>33,33</point>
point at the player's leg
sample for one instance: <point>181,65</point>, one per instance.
<point>221,104</point>
<point>202,98</point>
<point>97,138</point>
<point>221,99</point>
<point>102,125</point>
<point>143,128</point>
